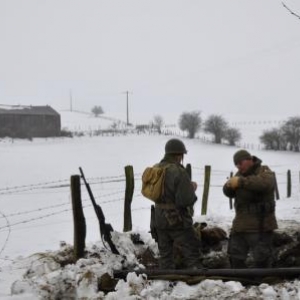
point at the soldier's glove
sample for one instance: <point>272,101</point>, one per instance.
<point>233,182</point>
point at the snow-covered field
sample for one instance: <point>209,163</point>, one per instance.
<point>36,212</point>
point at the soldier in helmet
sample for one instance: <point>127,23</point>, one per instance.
<point>173,220</point>
<point>252,228</point>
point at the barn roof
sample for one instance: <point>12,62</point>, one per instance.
<point>29,110</point>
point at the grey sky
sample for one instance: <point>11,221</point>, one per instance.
<point>215,56</point>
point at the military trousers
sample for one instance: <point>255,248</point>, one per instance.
<point>259,244</point>
<point>189,243</point>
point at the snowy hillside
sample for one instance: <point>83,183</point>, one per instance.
<point>253,126</point>
<point>250,126</point>
<point>86,122</point>
<point>36,225</point>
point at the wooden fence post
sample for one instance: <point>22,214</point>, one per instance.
<point>289,184</point>
<point>128,198</point>
<point>78,217</point>
<point>205,189</point>
<point>276,187</point>
<point>230,199</point>
<point>188,168</point>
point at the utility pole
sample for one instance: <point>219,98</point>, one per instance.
<point>71,101</point>
<point>127,107</point>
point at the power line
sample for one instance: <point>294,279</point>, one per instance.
<point>293,13</point>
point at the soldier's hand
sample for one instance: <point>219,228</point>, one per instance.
<point>233,182</point>
<point>195,185</point>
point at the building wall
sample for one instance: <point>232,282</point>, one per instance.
<point>27,126</point>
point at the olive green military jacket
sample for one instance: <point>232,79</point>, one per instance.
<point>254,200</point>
<point>179,194</point>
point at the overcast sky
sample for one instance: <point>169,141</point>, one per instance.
<point>213,56</point>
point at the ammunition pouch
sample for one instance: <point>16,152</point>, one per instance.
<point>171,213</point>
<point>256,208</point>
<point>173,217</point>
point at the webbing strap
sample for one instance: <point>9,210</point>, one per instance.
<point>165,205</point>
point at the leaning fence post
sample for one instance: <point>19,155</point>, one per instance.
<point>78,217</point>
<point>276,187</point>
<point>128,198</point>
<point>289,184</point>
<point>205,189</point>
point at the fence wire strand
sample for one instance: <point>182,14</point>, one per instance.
<point>102,184</point>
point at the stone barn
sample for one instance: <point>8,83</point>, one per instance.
<point>29,122</point>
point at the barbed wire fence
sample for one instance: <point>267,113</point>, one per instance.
<point>108,191</point>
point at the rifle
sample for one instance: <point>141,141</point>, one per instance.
<point>152,224</point>
<point>105,229</point>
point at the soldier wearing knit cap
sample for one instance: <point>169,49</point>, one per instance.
<point>241,155</point>
<point>252,187</point>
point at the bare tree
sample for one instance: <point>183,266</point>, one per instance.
<point>217,126</point>
<point>287,137</point>
<point>190,122</point>
<point>97,110</point>
<point>232,135</point>
<point>291,132</point>
<point>158,122</point>
<point>273,139</point>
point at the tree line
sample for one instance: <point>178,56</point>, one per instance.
<point>284,137</point>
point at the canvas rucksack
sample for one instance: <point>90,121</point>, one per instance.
<point>153,179</point>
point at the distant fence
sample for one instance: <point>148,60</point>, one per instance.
<point>80,131</point>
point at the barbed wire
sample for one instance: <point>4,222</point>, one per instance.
<point>60,184</point>
<point>36,210</point>
<point>48,215</point>
<point>62,204</point>
<point>55,213</point>
<point>94,180</point>
<point>140,208</point>
<point>8,233</point>
<point>34,219</point>
<point>39,185</point>
<point>34,185</point>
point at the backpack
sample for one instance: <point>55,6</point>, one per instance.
<point>153,180</point>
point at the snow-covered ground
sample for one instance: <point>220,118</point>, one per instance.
<point>36,214</point>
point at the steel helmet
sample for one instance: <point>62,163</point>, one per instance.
<point>175,146</point>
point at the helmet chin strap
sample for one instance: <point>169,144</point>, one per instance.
<point>181,159</point>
